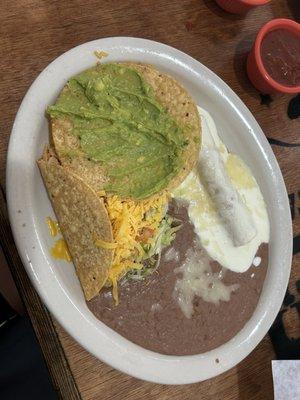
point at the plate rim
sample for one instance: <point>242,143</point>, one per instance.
<point>155,360</point>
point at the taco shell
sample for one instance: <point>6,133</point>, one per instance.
<point>82,218</point>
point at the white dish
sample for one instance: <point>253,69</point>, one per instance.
<point>56,282</point>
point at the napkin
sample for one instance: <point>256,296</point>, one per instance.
<point>286,379</point>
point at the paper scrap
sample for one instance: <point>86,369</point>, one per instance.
<point>286,379</point>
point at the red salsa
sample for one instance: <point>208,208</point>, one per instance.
<point>280,53</point>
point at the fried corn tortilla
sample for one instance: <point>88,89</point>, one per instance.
<point>83,219</point>
<point>134,139</point>
<point>182,108</point>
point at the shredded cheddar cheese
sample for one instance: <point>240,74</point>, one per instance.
<point>105,245</point>
<point>100,54</point>
<point>53,226</point>
<point>134,223</point>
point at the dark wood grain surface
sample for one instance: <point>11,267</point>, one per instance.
<point>33,33</point>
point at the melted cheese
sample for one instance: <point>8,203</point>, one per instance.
<point>53,226</point>
<point>198,279</point>
<point>60,251</point>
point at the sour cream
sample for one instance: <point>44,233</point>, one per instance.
<point>231,236</point>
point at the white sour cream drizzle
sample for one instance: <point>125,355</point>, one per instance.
<point>256,261</point>
<point>171,255</point>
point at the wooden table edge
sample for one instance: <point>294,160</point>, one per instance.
<point>52,350</point>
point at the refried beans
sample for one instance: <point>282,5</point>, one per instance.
<point>149,315</point>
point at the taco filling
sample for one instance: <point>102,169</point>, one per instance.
<point>140,230</point>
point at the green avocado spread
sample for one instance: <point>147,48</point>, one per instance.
<point>121,125</point>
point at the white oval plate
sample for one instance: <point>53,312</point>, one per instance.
<point>56,282</point>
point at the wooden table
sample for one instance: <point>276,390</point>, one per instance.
<point>33,33</point>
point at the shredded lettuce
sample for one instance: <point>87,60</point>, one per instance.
<point>143,273</point>
<point>163,238</point>
<point>165,235</point>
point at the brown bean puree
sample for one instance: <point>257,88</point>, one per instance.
<point>280,53</point>
<point>149,315</point>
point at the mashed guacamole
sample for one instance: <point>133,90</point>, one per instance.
<point>121,125</point>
